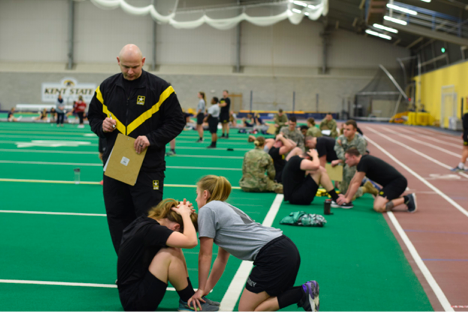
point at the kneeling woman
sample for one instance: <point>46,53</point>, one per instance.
<point>276,259</point>
<point>150,256</point>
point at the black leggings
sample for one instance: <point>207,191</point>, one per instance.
<point>60,118</point>
<point>81,115</point>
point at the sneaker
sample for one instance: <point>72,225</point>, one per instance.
<point>211,146</point>
<point>205,306</point>
<point>170,153</point>
<point>458,169</point>
<point>344,206</point>
<point>310,300</point>
<point>199,141</point>
<point>411,203</point>
<point>215,303</point>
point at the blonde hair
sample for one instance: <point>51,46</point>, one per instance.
<point>218,187</point>
<point>164,210</point>
<point>259,141</point>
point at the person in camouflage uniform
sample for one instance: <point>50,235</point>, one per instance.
<point>256,163</point>
<point>313,131</point>
<point>293,134</point>
<point>280,120</point>
<point>349,139</point>
<point>329,124</point>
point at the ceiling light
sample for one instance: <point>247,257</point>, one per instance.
<point>374,33</point>
<point>428,1</point>
<point>300,3</point>
<point>313,7</point>
<point>401,9</point>
<point>306,13</point>
<point>296,11</point>
<point>395,20</point>
<point>393,30</point>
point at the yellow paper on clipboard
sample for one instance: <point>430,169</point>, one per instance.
<point>124,163</point>
<point>271,129</point>
<point>335,173</point>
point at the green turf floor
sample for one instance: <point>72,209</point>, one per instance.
<point>355,257</point>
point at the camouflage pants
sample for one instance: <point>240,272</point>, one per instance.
<point>348,174</point>
<point>269,186</point>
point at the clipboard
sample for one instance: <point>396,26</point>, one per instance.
<point>271,129</point>
<point>335,173</point>
<point>124,163</point>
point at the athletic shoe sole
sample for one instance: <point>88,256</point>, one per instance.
<point>312,289</point>
<point>414,203</point>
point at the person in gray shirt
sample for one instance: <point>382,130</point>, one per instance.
<point>201,114</point>
<point>60,109</point>
<point>270,285</point>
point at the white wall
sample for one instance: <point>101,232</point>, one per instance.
<point>37,31</point>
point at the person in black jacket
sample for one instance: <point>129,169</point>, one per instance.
<point>145,107</point>
<point>461,166</point>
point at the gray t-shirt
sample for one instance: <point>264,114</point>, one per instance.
<point>233,230</point>
<point>201,106</point>
<point>59,106</point>
<point>214,110</point>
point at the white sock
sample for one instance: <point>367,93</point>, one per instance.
<point>461,165</point>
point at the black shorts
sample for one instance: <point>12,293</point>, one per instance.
<point>224,118</point>
<point>102,145</point>
<point>305,194</point>
<point>144,295</point>
<point>213,124</point>
<point>247,124</point>
<point>465,138</point>
<point>200,118</point>
<point>275,267</point>
<point>394,189</point>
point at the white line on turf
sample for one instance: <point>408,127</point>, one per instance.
<point>427,274</point>
<point>415,151</point>
<point>238,282</point>
<point>55,213</point>
<point>10,281</point>
<point>417,259</point>
<point>100,165</point>
<point>428,145</point>
<point>94,183</point>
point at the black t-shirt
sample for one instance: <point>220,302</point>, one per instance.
<point>278,161</point>
<point>141,241</point>
<point>225,110</point>
<point>293,176</point>
<point>465,123</point>
<point>9,114</point>
<point>378,170</point>
<point>326,146</point>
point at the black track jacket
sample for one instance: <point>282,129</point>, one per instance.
<point>152,109</point>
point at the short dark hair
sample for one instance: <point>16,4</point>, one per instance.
<point>353,151</point>
<point>280,110</point>
<point>215,98</point>
<point>304,128</point>
<point>352,123</point>
<point>292,118</point>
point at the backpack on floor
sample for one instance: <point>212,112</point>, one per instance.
<point>301,218</point>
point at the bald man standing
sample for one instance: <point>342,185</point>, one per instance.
<point>145,107</point>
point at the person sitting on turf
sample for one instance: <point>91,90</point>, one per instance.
<point>42,115</point>
<point>257,119</point>
<point>329,124</point>
<point>248,121</point>
<point>325,147</point>
<point>393,182</point>
<point>276,260</point>
<point>150,256</point>
<point>303,130</point>
<point>292,133</point>
<point>233,119</point>
<point>280,120</point>
<point>256,163</point>
<point>278,148</point>
<point>302,176</point>
<point>11,115</point>
<point>53,114</point>
<point>313,131</point>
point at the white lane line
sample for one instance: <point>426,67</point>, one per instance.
<point>446,136</point>
<point>97,153</point>
<point>417,259</point>
<point>55,213</point>
<point>93,183</point>
<point>236,287</point>
<point>415,151</point>
<point>427,144</point>
<point>100,165</point>
<point>11,281</point>
<point>427,274</point>
<point>426,136</point>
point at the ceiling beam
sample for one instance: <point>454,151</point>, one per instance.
<point>421,31</point>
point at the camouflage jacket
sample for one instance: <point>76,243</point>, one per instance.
<point>280,120</point>
<point>256,163</point>
<point>314,132</point>
<point>342,145</point>
<point>296,136</point>
<point>329,125</point>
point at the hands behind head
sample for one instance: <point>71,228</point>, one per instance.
<point>312,153</point>
<point>184,207</point>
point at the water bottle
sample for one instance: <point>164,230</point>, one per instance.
<point>77,175</point>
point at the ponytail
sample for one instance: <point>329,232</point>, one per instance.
<point>218,187</point>
<point>164,210</point>
<point>259,141</point>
